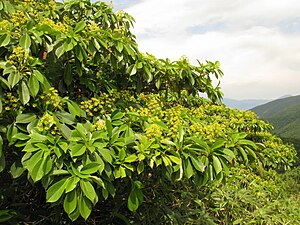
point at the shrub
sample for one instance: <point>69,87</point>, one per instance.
<point>90,124</point>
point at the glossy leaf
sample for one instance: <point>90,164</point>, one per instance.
<point>85,207</point>
<point>217,164</point>
<point>90,168</point>
<point>79,26</point>
<point>77,149</point>
<point>33,85</point>
<point>25,41</point>
<point>24,93</point>
<point>4,40</point>
<point>25,118</point>
<point>88,190</point>
<point>56,190</point>
<point>70,202</point>
<point>71,183</point>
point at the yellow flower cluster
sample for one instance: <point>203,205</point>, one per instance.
<point>96,106</point>
<point>18,56</point>
<point>48,124</point>
<point>33,7</point>
<point>105,102</point>
<point>151,107</point>
<point>184,58</point>
<point>120,30</point>
<point>19,18</point>
<point>153,131</point>
<point>4,25</point>
<point>51,98</point>
<point>99,125</point>
<point>59,27</point>
<point>172,117</point>
<point>11,103</point>
<point>92,26</point>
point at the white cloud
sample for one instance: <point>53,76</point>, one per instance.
<point>256,41</point>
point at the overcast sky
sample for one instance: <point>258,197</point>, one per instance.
<point>257,41</point>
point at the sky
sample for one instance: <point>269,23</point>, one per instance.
<point>257,41</point>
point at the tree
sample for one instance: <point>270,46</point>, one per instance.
<point>89,117</point>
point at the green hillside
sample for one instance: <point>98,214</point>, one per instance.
<point>284,114</point>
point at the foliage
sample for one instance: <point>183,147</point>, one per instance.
<point>284,116</point>
<point>89,123</point>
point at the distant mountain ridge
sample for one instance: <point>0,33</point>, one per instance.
<point>244,104</point>
<point>284,114</point>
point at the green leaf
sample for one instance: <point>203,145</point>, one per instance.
<point>119,46</point>
<point>228,154</point>
<point>4,40</point>
<point>37,137</point>
<point>32,161</point>
<point>79,26</point>
<point>106,154</point>
<point>198,164</point>
<point>37,171</point>
<point>175,159</point>
<point>40,77</point>
<point>218,144</point>
<point>133,201</point>
<point>68,74</point>
<point>140,167</point>
<point>1,107</point>
<point>131,70</point>
<point>71,183</point>
<point>161,124</point>
<point>65,117</point>
<point>13,78</point>
<point>88,190</point>
<point>188,169</point>
<point>68,45</point>
<point>8,7</point>
<point>25,41</point>
<point>25,118</point>
<point>90,168</point>
<point>21,136</point>
<point>85,207</point>
<point>70,202</point>
<point>77,150</point>
<point>116,115</point>
<point>248,142</point>
<point>158,83</point>
<point>33,85</point>
<point>131,158</point>
<point>243,153</point>
<point>74,215</point>
<point>59,51</point>
<point>56,190</point>
<point>109,128</point>
<point>135,198</point>
<point>201,143</point>
<point>65,130</point>
<point>11,131</point>
<point>72,110</point>
<point>217,164</point>
<point>180,134</point>
<point>251,152</point>
<point>24,93</point>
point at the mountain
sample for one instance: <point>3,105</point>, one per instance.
<point>244,104</point>
<point>284,114</point>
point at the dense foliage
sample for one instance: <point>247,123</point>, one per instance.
<point>284,115</point>
<point>90,124</point>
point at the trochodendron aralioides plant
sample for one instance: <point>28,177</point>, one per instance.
<point>86,118</point>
